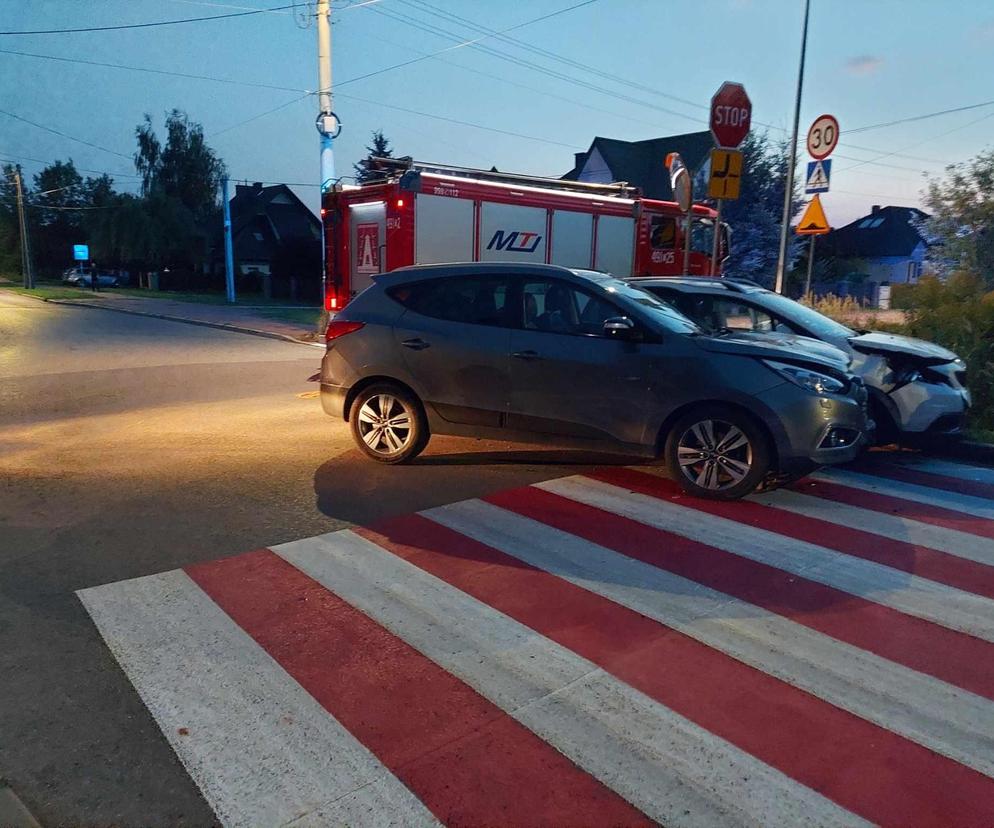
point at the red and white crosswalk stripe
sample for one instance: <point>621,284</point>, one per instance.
<point>593,650</point>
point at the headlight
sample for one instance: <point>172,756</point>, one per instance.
<point>806,378</point>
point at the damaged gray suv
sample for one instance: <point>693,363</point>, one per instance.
<point>540,353</point>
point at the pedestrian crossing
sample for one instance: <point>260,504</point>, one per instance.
<point>597,649</point>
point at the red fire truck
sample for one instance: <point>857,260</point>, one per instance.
<point>431,213</point>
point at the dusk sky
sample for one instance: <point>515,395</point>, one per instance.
<point>869,62</point>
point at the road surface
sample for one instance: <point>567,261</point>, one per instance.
<point>130,446</point>
<point>213,609</point>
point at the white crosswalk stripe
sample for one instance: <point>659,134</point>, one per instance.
<point>592,649</point>
<point>896,527</point>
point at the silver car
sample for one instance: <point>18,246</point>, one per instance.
<point>917,389</point>
<point>579,358</point>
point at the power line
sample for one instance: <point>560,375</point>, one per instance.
<point>521,44</point>
<point>461,123</point>
<point>149,70</point>
<point>920,117</point>
<point>260,115</point>
<point>149,25</point>
<point>64,135</point>
<point>437,31</point>
<point>18,158</point>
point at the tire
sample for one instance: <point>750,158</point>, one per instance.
<point>702,461</point>
<point>388,423</point>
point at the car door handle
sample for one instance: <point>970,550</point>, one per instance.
<point>416,344</point>
<point>526,355</point>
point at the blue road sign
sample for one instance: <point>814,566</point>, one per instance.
<point>819,173</point>
<point>81,252</point>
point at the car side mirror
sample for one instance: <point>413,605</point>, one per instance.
<point>621,327</point>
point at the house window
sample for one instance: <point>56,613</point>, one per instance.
<point>258,235</point>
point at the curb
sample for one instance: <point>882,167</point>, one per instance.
<point>223,326</point>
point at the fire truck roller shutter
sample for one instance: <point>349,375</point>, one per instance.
<point>572,238</point>
<point>368,237</point>
<point>443,229</point>
<point>615,245</point>
<point>512,233</point>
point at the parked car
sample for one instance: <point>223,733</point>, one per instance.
<point>580,358</point>
<point>917,389</point>
<point>81,278</point>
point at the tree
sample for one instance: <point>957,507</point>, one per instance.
<point>754,216</point>
<point>380,148</point>
<point>961,225</point>
<point>186,168</point>
<point>10,236</point>
<point>55,215</point>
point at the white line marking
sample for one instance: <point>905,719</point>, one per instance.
<point>968,504</point>
<point>262,750</point>
<point>673,770</point>
<point>896,527</point>
<point>964,471</point>
<point>944,718</point>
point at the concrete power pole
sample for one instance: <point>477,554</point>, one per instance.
<point>327,124</point>
<point>27,275</point>
<point>328,128</point>
<point>787,196</point>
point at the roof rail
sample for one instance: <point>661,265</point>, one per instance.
<point>391,166</point>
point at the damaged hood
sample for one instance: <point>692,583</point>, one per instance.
<point>887,344</point>
<point>769,345</point>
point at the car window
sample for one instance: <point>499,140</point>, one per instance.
<point>476,300</point>
<point>662,233</point>
<point>739,316</point>
<point>556,307</point>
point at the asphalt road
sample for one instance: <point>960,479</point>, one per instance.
<point>130,446</point>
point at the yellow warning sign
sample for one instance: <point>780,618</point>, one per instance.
<point>726,174</point>
<point>813,222</point>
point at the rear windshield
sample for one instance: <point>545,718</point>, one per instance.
<point>666,315</point>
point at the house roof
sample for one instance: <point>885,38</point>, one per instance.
<point>263,218</point>
<point>643,163</point>
<point>289,216</point>
<point>885,231</point>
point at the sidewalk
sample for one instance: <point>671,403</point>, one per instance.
<point>278,322</point>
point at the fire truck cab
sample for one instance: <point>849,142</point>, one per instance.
<point>431,213</point>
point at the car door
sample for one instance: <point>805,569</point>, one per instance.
<point>454,339</point>
<point>567,377</point>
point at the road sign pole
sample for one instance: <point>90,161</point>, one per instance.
<point>811,262</point>
<point>788,192</point>
<point>715,242</point>
<point>686,241</point>
<point>229,256</point>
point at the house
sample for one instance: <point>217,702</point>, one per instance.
<point>642,163</point>
<point>888,242</point>
<point>276,241</point>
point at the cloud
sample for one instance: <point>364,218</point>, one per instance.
<point>864,64</point>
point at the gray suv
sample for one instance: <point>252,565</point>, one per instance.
<point>580,358</point>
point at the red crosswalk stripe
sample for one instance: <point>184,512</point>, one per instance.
<point>458,752</point>
<point>593,650</point>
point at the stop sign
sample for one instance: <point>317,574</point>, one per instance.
<point>731,115</point>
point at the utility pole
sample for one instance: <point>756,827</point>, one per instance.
<point>811,263</point>
<point>328,127</point>
<point>26,273</point>
<point>229,256</point>
<point>789,191</point>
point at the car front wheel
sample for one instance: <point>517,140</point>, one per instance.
<point>388,423</point>
<point>717,452</point>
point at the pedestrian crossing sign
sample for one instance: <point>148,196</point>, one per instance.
<point>819,173</point>
<point>813,222</point>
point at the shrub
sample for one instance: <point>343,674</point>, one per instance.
<point>901,296</point>
<point>959,314</point>
<point>840,308</point>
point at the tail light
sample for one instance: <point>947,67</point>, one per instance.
<point>340,327</point>
<point>331,302</point>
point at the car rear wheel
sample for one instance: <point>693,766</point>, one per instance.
<point>388,423</point>
<point>717,452</point>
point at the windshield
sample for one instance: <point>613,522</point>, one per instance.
<point>666,315</point>
<point>702,236</point>
<point>816,323</point>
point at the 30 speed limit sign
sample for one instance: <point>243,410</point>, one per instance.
<point>823,137</point>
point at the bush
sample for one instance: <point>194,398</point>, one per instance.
<point>959,315</point>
